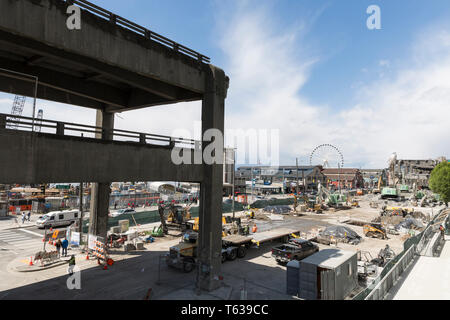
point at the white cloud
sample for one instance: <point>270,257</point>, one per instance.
<point>407,112</point>
<point>384,63</point>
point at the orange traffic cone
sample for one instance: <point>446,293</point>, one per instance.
<point>31,261</point>
<point>87,256</point>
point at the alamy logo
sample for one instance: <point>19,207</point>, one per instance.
<point>374,21</point>
<point>74,280</point>
<point>74,20</point>
<point>254,145</point>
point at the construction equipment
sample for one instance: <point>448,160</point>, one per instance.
<point>178,215</point>
<point>17,109</point>
<point>366,266</point>
<point>354,203</point>
<point>158,232</point>
<point>250,214</point>
<point>184,255</point>
<point>389,193</point>
<point>384,256</point>
<point>378,189</point>
<point>334,200</point>
<point>375,230</point>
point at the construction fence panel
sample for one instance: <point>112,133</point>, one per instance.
<point>391,278</point>
<point>417,242</point>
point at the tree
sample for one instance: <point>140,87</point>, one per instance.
<point>440,181</point>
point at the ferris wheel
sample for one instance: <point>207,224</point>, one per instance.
<point>327,156</point>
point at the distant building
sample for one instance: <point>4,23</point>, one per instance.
<point>414,171</point>
<point>228,167</point>
<point>283,178</point>
<point>371,176</point>
<point>347,178</point>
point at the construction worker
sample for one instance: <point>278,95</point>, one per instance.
<point>72,263</point>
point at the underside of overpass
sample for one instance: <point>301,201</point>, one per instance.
<point>112,67</point>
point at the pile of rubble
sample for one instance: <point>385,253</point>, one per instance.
<point>340,234</point>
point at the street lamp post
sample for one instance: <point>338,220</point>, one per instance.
<point>233,177</point>
<point>296,161</point>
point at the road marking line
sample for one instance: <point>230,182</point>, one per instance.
<point>31,232</point>
<point>15,238</point>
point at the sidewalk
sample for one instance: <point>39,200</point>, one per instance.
<point>11,223</point>
<point>429,279</point>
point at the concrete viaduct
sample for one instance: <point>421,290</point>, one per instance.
<point>111,65</point>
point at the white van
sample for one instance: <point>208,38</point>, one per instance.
<point>58,219</point>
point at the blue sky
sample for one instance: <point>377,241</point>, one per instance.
<point>312,70</point>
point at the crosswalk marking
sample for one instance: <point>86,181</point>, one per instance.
<point>15,238</point>
<point>31,232</point>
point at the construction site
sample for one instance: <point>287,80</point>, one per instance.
<point>94,212</point>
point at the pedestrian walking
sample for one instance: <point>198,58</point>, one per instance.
<point>58,247</point>
<point>71,264</point>
<point>23,217</point>
<point>29,216</point>
<point>64,245</point>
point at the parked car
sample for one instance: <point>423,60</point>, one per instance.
<point>296,249</point>
<point>123,211</point>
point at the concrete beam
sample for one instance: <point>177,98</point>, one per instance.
<point>211,188</point>
<point>100,44</point>
<point>77,86</point>
<point>25,88</point>
<point>47,158</point>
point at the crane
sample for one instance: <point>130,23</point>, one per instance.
<point>17,109</point>
<point>39,118</point>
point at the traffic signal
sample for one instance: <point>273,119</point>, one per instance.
<point>43,189</point>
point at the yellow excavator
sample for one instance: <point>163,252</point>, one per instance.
<point>378,189</point>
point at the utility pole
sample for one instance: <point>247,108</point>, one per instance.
<point>7,199</point>
<point>303,179</point>
<point>81,210</point>
<point>135,197</point>
<point>233,177</point>
<point>252,183</point>
<point>297,174</point>
<point>339,177</point>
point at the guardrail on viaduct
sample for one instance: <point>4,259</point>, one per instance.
<point>118,20</point>
<point>73,129</point>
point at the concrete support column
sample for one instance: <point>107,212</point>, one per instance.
<point>210,224</point>
<point>100,192</point>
